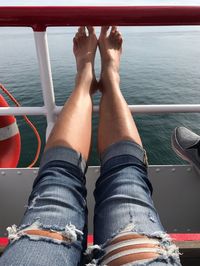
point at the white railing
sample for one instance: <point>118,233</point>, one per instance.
<point>135,109</point>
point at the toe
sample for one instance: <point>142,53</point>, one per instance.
<point>76,35</point>
<point>104,30</point>
<point>117,34</point>
<point>75,42</point>
<point>120,41</point>
<point>90,30</point>
<point>76,38</point>
<point>113,30</point>
<point>118,37</point>
<point>81,30</point>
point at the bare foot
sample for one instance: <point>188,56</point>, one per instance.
<point>85,47</point>
<point>110,49</point>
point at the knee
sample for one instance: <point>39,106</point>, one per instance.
<point>38,232</point>
<point>128,248</point>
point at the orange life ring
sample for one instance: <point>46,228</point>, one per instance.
<point>10,141</point>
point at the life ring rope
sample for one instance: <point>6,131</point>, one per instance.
<point>28,122</point>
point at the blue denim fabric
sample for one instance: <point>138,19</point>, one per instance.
<point>57,199</point>
<point>123,193</point>
<point>123,198</point>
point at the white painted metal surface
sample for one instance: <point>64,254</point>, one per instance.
<point>176,196</point>
<point>164,108</point>
<point>46,77</point>
<point>23,111</point>
<point>143,109</point>
<point>157,108</point>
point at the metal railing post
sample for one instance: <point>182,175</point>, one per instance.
<point>46,77</point>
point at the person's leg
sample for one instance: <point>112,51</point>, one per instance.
<point>53,229</point>
<point>74,124</point>
<point>115,121</point>
<point>127,226</point>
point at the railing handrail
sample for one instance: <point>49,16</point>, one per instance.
<point>135,109</point>
<point>40,17</point>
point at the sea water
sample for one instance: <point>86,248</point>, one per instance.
<point>159,65</point>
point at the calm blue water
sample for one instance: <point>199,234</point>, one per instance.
<point>159,66</point>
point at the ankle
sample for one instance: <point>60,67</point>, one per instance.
<point>110,77</point>
<point>111,65</point>
<point>84,76</point>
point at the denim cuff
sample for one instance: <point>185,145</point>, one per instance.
<point>124,147</point>
<point>65,154</point>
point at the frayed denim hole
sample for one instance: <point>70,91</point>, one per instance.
<point>168,252</point>
<point>32,201</point>
<point>92,254</point>
<point>70,234</point>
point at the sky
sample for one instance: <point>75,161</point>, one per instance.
<point>97,2</point>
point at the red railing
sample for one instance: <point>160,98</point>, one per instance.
<point>41,17</point>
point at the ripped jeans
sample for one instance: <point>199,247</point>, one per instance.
<point>54,227</point>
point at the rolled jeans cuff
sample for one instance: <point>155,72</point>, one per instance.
<point>124,147</point>
<point>64,154</point>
